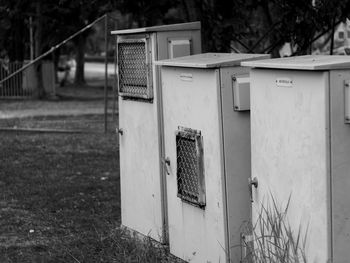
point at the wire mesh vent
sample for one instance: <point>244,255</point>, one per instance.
<point>190,173</point>
<point>134,75</point>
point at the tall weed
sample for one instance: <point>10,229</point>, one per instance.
<point>271,239</point>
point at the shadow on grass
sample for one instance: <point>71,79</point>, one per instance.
<point>60,201</point>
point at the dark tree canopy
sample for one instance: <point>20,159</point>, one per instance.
<point>53,21</point>
<point>13,24</point>
<point>259,26</point>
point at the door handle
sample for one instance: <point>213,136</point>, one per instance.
<point>166,162</point>
<point>251,183</point>
<point>120,131</point>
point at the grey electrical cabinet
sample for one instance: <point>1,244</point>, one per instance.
<point>300,141</point>
<point>142,188</point>
<point>207,154</point>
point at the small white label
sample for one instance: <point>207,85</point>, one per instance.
<point>186,77</point>
<point>284,82</point>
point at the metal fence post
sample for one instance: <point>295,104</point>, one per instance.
<point>106,71</point>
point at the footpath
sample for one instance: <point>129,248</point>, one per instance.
<point>71,101</point>
<point>82,108</point>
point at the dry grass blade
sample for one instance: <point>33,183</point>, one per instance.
<point>54,187</point>
<point>274,239</point>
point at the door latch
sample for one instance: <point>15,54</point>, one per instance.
<point>166,162</point>
<point>251,183</point>
<point>120,131</point>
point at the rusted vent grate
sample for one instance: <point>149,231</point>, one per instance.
<point>133,69</point>
<point>190,174</point>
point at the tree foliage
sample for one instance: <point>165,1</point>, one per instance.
<point>259,26</point>
<point>12,28</point>
<point>70,17</point>
<point>53,22</point>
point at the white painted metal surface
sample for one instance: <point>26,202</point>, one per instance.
<point>143,199</point>
<point>308,62</point>
<point>194,233</point>
<point>163,28</point>
<point>289,151</point>
<point>301,148</point>
<point>211,60</point>
<point>202,99</point>
<point>179,46</point>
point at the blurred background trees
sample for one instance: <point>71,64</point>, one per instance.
<point>258,26</point>
<point>52,22</point>
<point>246,26</point>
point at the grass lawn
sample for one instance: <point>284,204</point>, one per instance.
<point>60,201</point>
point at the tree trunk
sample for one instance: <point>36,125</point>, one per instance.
<point>38,50</point>
<point>192,11</point>
<point>80,42</point>
<point>332,38</point>
<point>16,49</point>
<point>274,41</point>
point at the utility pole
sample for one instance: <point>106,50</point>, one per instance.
<point>38,49</point>
<point>332,39</point>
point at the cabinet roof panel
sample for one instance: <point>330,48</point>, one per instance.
<point>210,60</point>
<point>308,62</point>
<point>173,27</point>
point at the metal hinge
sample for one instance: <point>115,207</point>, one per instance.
<point>247,238</point>
<point>246,247</point>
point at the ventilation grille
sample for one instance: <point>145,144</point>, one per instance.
<point>190,174</point>
<point>133,69</point>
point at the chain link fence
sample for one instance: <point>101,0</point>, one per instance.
<point>132,68</point>
<point>20,85</point>
<point>87,107</point>
<point>190,175</point>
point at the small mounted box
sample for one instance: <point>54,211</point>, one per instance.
<point>179,47</point>
<point>347,101</point>
<point>241,92</point>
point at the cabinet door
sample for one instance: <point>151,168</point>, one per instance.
<point>289,142</point>
<point>340,149</point>
<point>193,164</point>
<point>141,197</point>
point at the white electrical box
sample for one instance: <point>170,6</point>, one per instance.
<point>143,200</point>
<point>301,148</point>
<point>207,155</point>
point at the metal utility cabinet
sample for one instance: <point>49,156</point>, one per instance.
<point>142,196</point>
<point>300,136</point>
<point>207,154</point>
